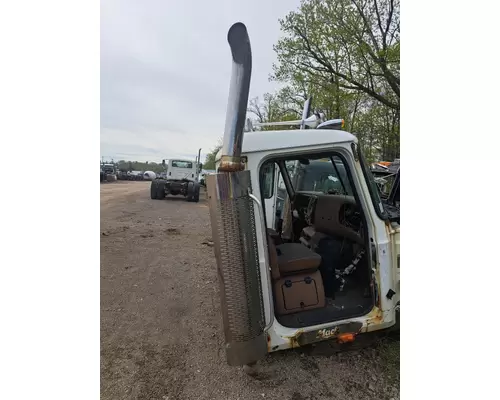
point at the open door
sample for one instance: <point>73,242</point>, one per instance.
<point>388,244</point>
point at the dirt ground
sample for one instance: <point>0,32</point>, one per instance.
<point>161,334</point>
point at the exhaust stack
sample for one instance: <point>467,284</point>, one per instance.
<point>234,228</point>
<point>238,98</point>
<point>199,155</point>
<point>305,112</point>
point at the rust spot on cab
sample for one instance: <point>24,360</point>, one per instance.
<point>293,341</point>
<point>374,317</point>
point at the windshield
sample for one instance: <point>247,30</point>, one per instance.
<point>182,164</point>
<point>326,175</point>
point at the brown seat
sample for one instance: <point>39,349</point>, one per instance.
<point>297,283</point>
<point>295,257</point>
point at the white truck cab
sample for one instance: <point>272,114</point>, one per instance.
<point>179,170</point>
<point>182,178</point>
<point>306,249</point>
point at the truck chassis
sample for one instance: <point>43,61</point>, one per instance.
<point>160,188</point>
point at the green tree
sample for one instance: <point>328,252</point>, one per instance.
<point>210,158</point>
<point>272,108</point>
<point>125,166</point>
<point>345,54</point>
<point>346,44</point>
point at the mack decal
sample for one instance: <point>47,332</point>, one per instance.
<point>327,333</point>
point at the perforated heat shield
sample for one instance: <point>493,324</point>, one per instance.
<point>235,245</point>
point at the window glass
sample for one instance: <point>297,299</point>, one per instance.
<point>268,173</point>
<point>182,164</point>
<point>322,175</point>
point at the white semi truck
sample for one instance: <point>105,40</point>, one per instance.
<point>327,265</point>
<point>181,179</point>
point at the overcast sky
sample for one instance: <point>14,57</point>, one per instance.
<point>165,69</point>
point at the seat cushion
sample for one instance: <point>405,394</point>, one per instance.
<point>295,257</point>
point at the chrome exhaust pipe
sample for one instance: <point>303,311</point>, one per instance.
<point>199,155</point>
<point>305,112</point>
<point>234,229</point>
<point>238,98</point>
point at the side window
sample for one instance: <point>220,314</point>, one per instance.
<point>268,172</point>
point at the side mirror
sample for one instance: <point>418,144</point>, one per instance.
<point>163,162</point>
<point>200,167</point>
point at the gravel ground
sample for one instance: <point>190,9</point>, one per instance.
<point>161,334</point>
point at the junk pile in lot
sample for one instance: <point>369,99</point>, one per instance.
<point>132,175</point>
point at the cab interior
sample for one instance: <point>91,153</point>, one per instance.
<point>320,266</point>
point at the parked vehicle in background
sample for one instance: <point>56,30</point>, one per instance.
<point>108,172</point>
<point>204,174</point>
<point>149,175</point>
<point>181,179</point>
<point>136,175</point>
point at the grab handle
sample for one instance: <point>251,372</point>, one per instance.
<point>266,259</point>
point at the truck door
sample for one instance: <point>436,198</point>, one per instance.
<point>386,238</point>
<point>269,179</point>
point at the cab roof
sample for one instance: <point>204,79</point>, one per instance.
<point>257,141</point>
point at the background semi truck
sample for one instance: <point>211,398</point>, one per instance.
<point>181,179</point>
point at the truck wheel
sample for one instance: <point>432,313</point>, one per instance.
<point>153,190</point>
<point>160,194</point>
<point>190,191</point>
<point>196,197</point>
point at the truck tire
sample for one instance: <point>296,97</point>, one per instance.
<point>190,191</point>
<point>196,196</point>
<point>160,193</point>
<point>153,190</point>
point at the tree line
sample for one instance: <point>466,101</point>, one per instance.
<point>345,54</point>
<point>125,166</point>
